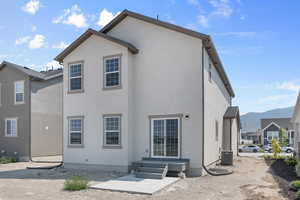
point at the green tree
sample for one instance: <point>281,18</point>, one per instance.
<point>282,138</point>
<point>275,148</point>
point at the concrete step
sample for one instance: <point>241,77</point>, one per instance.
<point>148,164</point>
<point>148,175</point>
<point>151,170</point>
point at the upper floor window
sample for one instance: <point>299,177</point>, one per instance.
<point>19,92</point>
<point>217,130</point>
<point>209,73</point>
<point>11,127</point>
<point>75,77</point>
<point>112,75</point>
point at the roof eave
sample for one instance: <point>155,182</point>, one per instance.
<point>85,36</point>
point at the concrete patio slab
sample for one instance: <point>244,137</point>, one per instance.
<point>131,184</point>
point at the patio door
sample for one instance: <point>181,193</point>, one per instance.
<point>165,137</point>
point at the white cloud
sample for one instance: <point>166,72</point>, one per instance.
<point>193,2</point>
<point>241,51</point>
<point>292,86</point>
<point>33,28</point>
<point>238,34</point>
<point>105,17</point>
<point>72,16</point>
<point>37,42</point>
<point>53,64</point>
<point>203,21</point>
<point>60,45</point>
<point>222,8</point>
<point>32,6</point>
<point>22,40</point>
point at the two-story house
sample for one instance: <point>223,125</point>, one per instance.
<point>141,88</point>
<point>30,112</point>
<point>270,128</point>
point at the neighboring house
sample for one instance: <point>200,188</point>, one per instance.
<point>296,125</point>
<point>270,130</point>
<point>141,87</point>
<point>30,112</point>
<point>253,137</point>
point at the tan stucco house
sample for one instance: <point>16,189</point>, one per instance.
<point>143,88</point>
<point>30,112</point>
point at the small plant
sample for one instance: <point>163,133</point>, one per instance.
<point>76,183</point>
<point>282,138</point>
<point>268,157</point>
<point>298,195</point>
<point>295,185</point>
<point>6,160</point>
<point>275,148</point>
<point>297,169</point>
<point>291,161</point>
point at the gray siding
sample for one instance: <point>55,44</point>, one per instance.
<point>8,109</point>
<point>46,117</point>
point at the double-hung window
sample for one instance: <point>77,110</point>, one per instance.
<point>112,130</point>
<point>76,131</point>
<point>112,75</point>
<point>217,130</point>
<point>11,127</point>
<point>76,77</point>
<point>19,92</point>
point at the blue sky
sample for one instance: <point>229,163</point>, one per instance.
<point>258,40</point>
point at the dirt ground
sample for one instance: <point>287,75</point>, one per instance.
<point>251,180</point>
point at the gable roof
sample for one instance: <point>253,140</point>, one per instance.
<point>207,41</point>
<point>284,123</point>
<point>32,73</point>
<point>233,112</point>
<point>296,109</point>
<point>85,36</point>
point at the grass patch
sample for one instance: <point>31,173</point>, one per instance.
<point>6,160</point>
<point>295,185</point>
<point>76,183</point>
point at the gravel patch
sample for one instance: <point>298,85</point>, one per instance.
<point>251,180</point>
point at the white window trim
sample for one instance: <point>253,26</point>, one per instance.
<point>69,131</point>
<point>117,71</point>
<point>165,127</point>
<point>107,131</point>
<point>16,119</point>
<point>70,78</point>
<point>15,92</point>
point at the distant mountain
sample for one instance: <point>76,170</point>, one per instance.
<point>251,121</point>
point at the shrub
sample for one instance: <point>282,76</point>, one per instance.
<point>275,148</point>
<point>297,167</point>
<point>298,195</point>
<point>6,160</point>
<point>76,183</point>
<point>268,157</point>
<point>295,185</point>
<point>291,161</point>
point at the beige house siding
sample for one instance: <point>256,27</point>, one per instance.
<point>8,109</point>
<point>217,100</point>
<point>46,117</point>
<point>95,102</point>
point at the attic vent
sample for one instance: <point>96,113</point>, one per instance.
<point>26,68</point>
